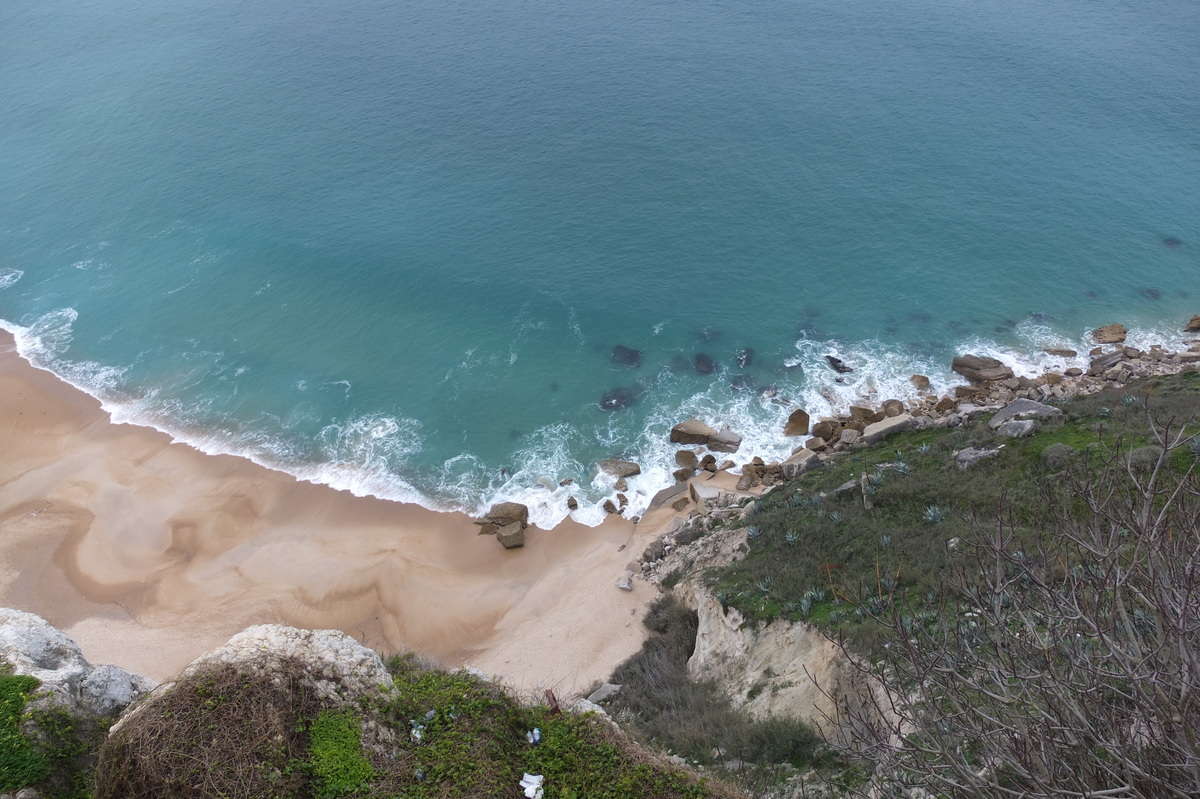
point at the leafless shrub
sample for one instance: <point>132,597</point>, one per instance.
<point>1067,661</point>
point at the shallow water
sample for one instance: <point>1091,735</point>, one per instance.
<point>392,246</point>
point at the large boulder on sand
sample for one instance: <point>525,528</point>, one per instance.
<point>980,368</point>
<point>1110,334</point>
<point>511,536</point>
<point>797,423</point>
<point>693,431</point>
<point>502,515</point>
<point>618,467</point>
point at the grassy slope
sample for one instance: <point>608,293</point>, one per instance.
<point>828,559</point>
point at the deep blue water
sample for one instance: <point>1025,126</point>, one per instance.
<point>391,246</point>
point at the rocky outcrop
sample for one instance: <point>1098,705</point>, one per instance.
<point>1193,324</point>
<point>619,468</point>
<point>31,645</point>
<point>1023,409</point>
<point>885,427</point>
<point>502,515</point>
<point>687,459</point>
<point>339,668</point>
<point>968,457</point>
<point>1017,428</point>
<point>511,536</point>
<point>1110,334</point>
<point>724,440</point>
<point>693,431</point>
<point>980,368</point>
<point>797,423</point>
<point>838,365</point>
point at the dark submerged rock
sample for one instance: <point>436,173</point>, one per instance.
<point>626,356</point>
<point>742,383</point>
<point>705,365</point>
<point>745,357</point>
<point>838,365</point>
<point>616,399</point>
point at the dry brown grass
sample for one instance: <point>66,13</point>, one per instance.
<point>224,732</point>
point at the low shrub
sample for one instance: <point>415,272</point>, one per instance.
<point>693,718</point>
<point>335,750</point>
<point>22,763</point>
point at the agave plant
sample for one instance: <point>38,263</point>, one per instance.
<point>792,538</point>
<point>753,532</point>
<point>901,468</point>
<point>806,604</point>
<point>835,517</point>
<point>934,514</point>
<point>885,541</point>
<point>1194,447</point>
<point>1131,399</point>
<point>875,479</point>
<point>925,449</point>
<point>796,501</point>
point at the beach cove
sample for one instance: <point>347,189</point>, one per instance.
<point>148,552</point>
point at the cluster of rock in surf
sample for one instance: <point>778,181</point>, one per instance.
<point>1016,404</point>
<point>621,397</point>
<point>991,386</point>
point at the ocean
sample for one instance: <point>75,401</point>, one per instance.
<point>393,246</point>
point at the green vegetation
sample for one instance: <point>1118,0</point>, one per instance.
<point>335,745</point>
<point>467,738</point>
<point>225,733</point>
<point>46,748</point>
<point>823,555</point>
<point>22,763</point>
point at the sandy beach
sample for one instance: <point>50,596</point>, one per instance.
<point>148,552</point>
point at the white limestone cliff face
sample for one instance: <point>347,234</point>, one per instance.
<point>341,669</point>
<point>781,669</point>
<point>31,645</point>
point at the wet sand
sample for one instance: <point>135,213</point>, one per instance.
<point>148,552</point>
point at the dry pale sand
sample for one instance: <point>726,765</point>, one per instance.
<point>148,553</point>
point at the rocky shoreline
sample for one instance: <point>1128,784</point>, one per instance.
<point>989,386</point>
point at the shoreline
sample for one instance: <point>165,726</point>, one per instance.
<point>537,477</point>
<point>149,552</point>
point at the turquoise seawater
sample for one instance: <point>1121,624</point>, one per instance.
<point>391,246</point>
